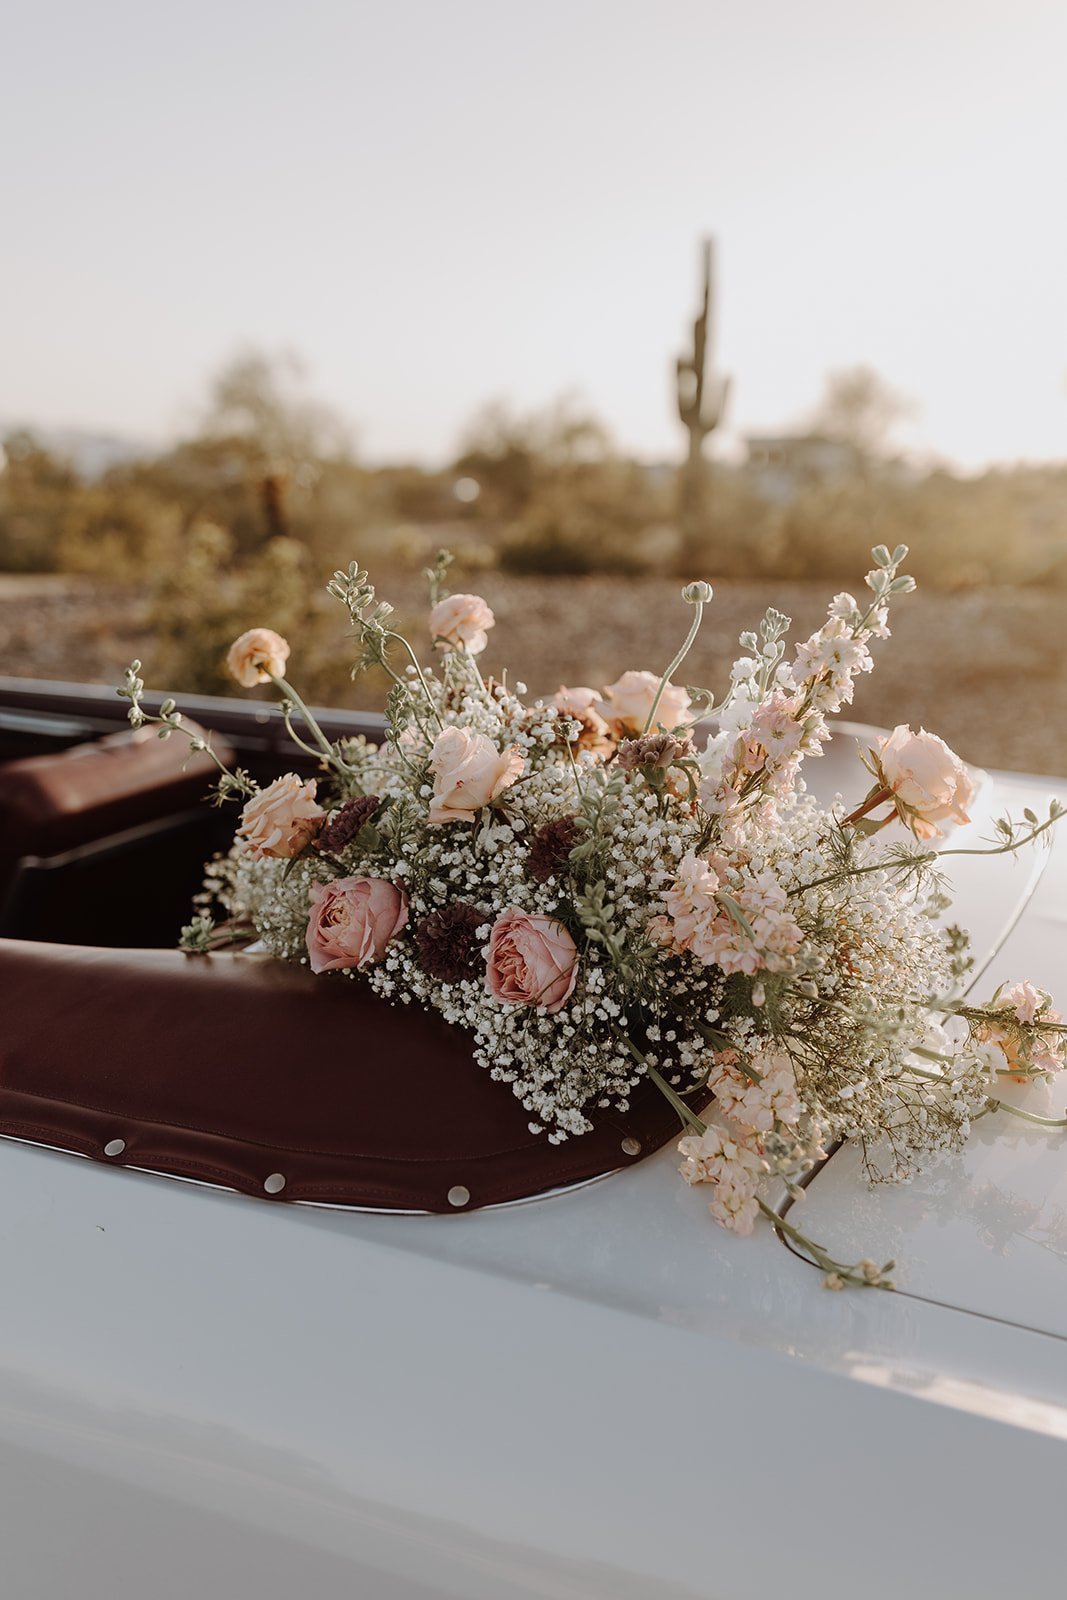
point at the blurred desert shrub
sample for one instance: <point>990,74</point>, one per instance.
<point>558,535</point>
<point>268,476</point>
<point>264,463</point>
<point>200,606</point>
<point>1002,527</point>
<point>565,502</point>
<point>36,489</point>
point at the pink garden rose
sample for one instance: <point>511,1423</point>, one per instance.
<point>461,621</point>
<point>281,819</point>
<point>929,783</point>
<point>469,771</point>
<point>352,922</point>
<point>532,961</point>
<point>255,655</point>
<point>626,704</point>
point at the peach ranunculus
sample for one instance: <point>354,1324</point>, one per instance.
<point>460,622</point>
<point>928,782</point>
<point>580,703</point>
<point>469,771</point>
<point>626,704</point>
<point>352,921</point>
<point>532,961</point>
<point>281,819</point>
<point>257,654</point>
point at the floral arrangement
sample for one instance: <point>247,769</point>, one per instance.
<point>599,896</point>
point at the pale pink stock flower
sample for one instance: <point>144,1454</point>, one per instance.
<point>846,608</point>
<point>758,1105</point>
<point>531,961</point>
<point>352,922</point>
<point>734,1206</point>
<point>281,819</point>
<point>832,651</point>
<point>929,783</point>
<point>704,926</point>
<point>469,772</point>
<point>733,1167</point>
<point>775,730</point>
<point>461,623</point>
<point>1024,999</point>
<point>690,900</point>
<point>1033,1053</point>
<point>256,655</point>
<point>627,703</point>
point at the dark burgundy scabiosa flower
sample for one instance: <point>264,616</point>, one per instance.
<point>550,847</point>
<point>342,829</point>
<point>448,943</point>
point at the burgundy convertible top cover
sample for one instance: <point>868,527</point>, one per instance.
<point>239,1070</point>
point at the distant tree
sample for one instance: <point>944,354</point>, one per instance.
<point>259,398</point>
<point>258,414</point>
<point>860,408</point>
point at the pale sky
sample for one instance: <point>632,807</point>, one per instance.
<point>437,202</point>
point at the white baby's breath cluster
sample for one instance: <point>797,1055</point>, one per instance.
<point>602,893</point>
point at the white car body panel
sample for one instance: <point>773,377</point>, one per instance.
<point>598,1394</point>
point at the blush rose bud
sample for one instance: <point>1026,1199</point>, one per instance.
<point>627,703</point>
<point>469,772</point>
<point>256,656</point>
<point>280,820</point>
<point>461,623</point>
<point>927,782</point>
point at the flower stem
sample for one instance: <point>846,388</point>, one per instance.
<point>287,717</point>
<point>876,798</point>
<point>1027,1116</point>
<point>574,769</point>
<point>865,1275</point>
<point>913,863</point>
<point>325,747</point>
<point>399,637</point>
<point>475,670</point>
<point>688,1117</point>
<point>698,612</point>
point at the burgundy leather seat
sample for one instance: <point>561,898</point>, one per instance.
<point>239,1070</point>
<point>105,843</point>
<point>53,803</point>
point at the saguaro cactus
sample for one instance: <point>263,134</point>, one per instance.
<point>702,394</point>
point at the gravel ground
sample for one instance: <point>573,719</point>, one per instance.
<point>987,670</point>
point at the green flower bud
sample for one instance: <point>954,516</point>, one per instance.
<point>697,593</point>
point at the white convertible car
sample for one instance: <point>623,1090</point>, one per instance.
<point>596,1394</point>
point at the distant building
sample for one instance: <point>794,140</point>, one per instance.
<point>781,466</point>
